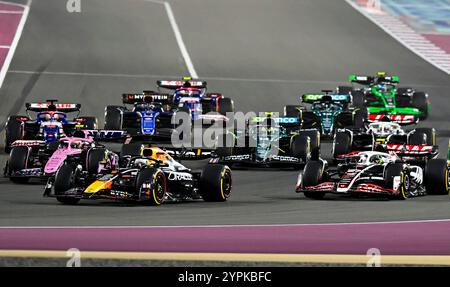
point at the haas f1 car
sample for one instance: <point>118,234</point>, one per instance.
<point>419,143</point>
<point>43,160</point>
<point>154,114</point>
<point>150,178</point>
<point>327,112</point>
<point>382,96</point>
<point>268,141</point>
<point>50,124</point>
<point>372,173</point>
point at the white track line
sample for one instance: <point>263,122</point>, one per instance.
<point>229,225</point>
<point>409,38</point>
<point>179,38</point>
<point>249,80</point>
<point>15,41</point>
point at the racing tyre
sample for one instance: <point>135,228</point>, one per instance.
<point>420,101</point>
<point>397,169</point>
<point>157,193</point>
<point>314,136</point>
<point>94,157</point>
<point>13,131</point>
<point>312,174</point>
<point>64,180</point>
<point>292,111</point>
<point>215,183</point>
<point>18,160</point>
<point>436,177</point>
<point>359,118</point>
<point>423,136</point>
<point>113,118</point>
<point>342,144</point>
<point>225,106</point>
<point>358,99</point>
<point>300,147</point>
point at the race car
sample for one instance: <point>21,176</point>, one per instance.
<point>381,96</point>
<point>50,124</point>
<point>192,94</point>
<point>268,141</point>
<point>151,178</point>
<point>372,173</point>
<point>154,114</point>
<point>328,111</point>
<point>419,143</point>
<point>36,159</point>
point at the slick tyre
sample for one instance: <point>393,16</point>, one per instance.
<point>394,170</point>
<point>13,132</point>
<point>423,136</point>
<point>18,160</point>
<point>420,101</point>
<point>436,177</point>
<point>292,111</point>
<point>158,186</point>
<point>342,144</point>
<point>300,147</point>
<point>113,118</point>
<point>312,175</point>
<point>224,106</point>
<point>65,179</point>
<point>94,157</point>
<point>215,183</point>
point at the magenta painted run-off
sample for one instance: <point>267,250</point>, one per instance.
<point>421,238</point>
<point>8,27</point>
<point>10,7</point>
<point>3,53</point>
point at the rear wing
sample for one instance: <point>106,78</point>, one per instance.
<point>173,85</point>
<point>412,150</point>
<point>146,97</point>
<point>311,98</point>
<point>399,119</point>
<point>370,80</point>
<point>41,107</point>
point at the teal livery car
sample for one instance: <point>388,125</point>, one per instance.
<point>327,112</point>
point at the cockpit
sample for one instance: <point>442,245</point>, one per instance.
<point>384,129</point>
<point>51,116</point>
<point>370,158</point>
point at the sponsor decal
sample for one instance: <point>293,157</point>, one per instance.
<point>119,193</point>
<point>285,158</point>
<point>397,182</point>
<point>179,176</point>
<point>237,157</point>
<point>105,134</point>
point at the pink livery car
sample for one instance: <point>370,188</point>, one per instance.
<point>24,163</point>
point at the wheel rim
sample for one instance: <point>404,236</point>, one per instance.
<point>159,189</point>
<point>225,184</point>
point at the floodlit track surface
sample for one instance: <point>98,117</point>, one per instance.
<point>261,53</point>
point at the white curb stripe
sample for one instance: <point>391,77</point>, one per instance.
<point>409,38</point>
<point>178,37</point>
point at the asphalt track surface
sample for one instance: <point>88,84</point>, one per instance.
<point>261,53</point>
